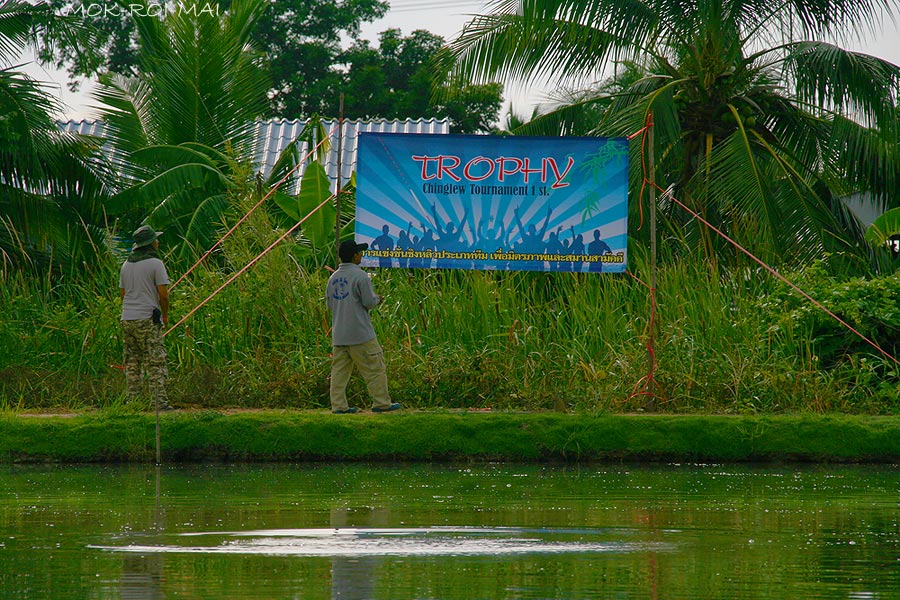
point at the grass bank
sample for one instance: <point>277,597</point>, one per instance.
<point>445,436</point>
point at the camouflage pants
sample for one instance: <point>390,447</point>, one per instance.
<point>145,354</point>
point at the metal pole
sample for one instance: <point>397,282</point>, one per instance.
<point>652,165</point>
<point>337,193</point>
<point>157,521</point>
<point>158,459</point>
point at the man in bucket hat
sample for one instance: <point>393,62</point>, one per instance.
<point>350,296</point>
<point>144,289</point>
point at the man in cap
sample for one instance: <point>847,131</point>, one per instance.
<point>350,296</point>
<point>144,290</point>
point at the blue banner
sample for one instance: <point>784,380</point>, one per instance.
<point>492,202</point>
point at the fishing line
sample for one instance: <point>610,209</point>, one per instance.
<point>249,264</point>
<point>277,185</point>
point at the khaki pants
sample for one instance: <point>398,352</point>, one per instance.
<point>369,360</point>
<point>144,354</point>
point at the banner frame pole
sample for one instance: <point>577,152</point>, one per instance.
<point>337,191</point>
<point>651,344</point>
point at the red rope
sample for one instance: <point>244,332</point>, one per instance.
<point>636,278</point>
<point>643,130</point>
<point>643,385</point>
<point>778,275</point>
<point>646,384</point>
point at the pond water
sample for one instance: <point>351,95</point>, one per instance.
<point>475,531</point>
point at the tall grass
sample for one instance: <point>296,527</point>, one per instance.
<point>453,339</point>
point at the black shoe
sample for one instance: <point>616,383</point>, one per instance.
<point>350,411</point>
<point>393,406</point>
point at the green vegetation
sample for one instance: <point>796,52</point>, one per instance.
<point>184,163</point>
<point>727,339</point>
<point>51,185</point>
<point>279,435</point>
<point>728,343</point>
<point>760,125</point>
<point>304,60</point>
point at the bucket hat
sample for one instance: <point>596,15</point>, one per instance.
<point>144,236</point>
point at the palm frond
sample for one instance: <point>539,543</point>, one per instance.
<point>862,160</point>
<point>193,176</point>
<point>761,126</point>
<point>884,227</point>
<point>849,83</point>
<point>183,127</point>
<point>21,22</point>
<point>205,221</point>
<point>534,45</point>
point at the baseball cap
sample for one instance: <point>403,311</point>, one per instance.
<point>348,249</point>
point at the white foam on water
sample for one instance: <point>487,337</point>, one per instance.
<point>428,541</point>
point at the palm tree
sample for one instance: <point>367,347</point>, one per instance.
<point>760,125</point>
<point>183,126</point>
<point>51,188</point>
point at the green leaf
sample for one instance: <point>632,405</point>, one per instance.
<point>205,222</point>
<point>288,204</point>
<point>884,227</point>
<point>315,187</point>
<point>191,176</point>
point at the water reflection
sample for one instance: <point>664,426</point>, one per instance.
<point>353,578</point>
<point>487,531</point>
<point>142,573</point>
<point>142,576</point>
<point>375,542</point>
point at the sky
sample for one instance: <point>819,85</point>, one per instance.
<point>442,17</point>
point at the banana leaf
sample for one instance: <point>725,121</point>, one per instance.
<point>315,187</point>
<point>884,227</point>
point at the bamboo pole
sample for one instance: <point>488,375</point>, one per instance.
<point>651,342</point>
<point>337,193</point>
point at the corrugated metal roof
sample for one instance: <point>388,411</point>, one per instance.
<point>274,135</point>
<point>95,128</point>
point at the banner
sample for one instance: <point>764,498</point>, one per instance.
<point>492,202</point>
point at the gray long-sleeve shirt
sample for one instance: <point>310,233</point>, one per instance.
<point>349,296</point>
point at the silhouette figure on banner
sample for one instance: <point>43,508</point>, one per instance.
<point>405,242</point>
<point>383,242</point>
<point>489,237</point>
<point>449,237</point>
<point>555,246</point>
<point>597,248</point>
<point>532,239</point>
<point>577,245</point>
<point>422,244</point>
<point>574,247</point>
